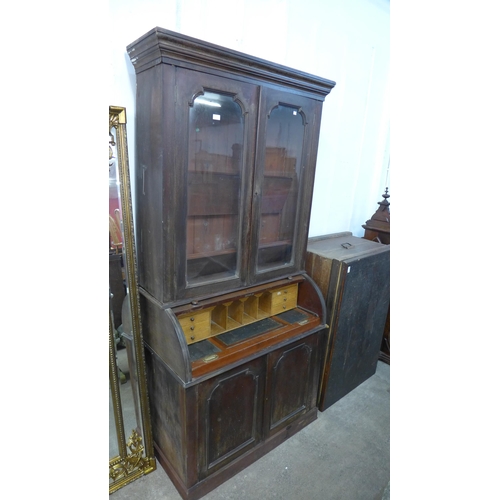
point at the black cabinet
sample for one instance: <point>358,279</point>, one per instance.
<point>354,277</point>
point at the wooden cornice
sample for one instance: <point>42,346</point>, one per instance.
<point>163,46</point>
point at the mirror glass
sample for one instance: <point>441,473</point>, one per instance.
<point>130,451</point>
<point>119,299</point>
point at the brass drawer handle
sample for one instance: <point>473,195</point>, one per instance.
<point>212,357</point>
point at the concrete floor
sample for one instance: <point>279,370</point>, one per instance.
<point>342,455</point>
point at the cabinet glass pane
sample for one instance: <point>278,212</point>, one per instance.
<point>280,186</point>
<point>215,141</point>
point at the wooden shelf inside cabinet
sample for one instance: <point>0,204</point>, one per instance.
<point>194,256</point>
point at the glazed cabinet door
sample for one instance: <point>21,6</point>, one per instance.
<point>230,415</point>
<point>292,383</point>
<point>285,164</point>
<point>215,143</point>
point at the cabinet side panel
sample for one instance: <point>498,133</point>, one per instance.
<point>160,333</point>
<point>149,180</point>
<point>319,269</point>
<point>167,414</point>
<point>335,271</point>
<point>359,325</point>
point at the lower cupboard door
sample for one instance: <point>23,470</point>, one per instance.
<point>230,414</point>
<point>292,383</point>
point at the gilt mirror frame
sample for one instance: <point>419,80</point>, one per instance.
<point>135,452</point>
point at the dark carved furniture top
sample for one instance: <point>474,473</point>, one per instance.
<point>378,228</point>
<point>164,46</point>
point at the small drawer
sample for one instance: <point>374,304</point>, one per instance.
<point>196,326</point>
<point>284,299</point>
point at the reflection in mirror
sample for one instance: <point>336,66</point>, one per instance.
<point>130,441</point>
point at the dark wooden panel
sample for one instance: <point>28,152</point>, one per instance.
<point>230,415</point>
<point>167,406</point>
<point>319,269</point>
<point>161,333</point>
<point>358,325</point>
<point>150,177</point>
<point>291,383</point>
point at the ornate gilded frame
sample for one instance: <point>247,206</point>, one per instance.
<point>136,454</point>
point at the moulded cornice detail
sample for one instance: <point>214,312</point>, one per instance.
<point>161,45</point>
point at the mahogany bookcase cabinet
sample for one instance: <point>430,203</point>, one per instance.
<point>233,326</point>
